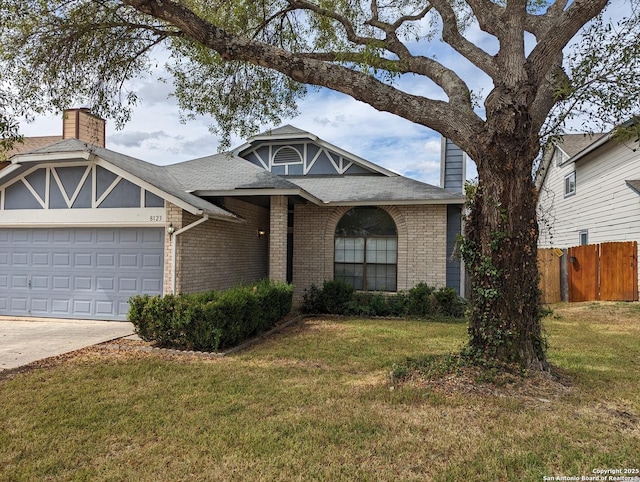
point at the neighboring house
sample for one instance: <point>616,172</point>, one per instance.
<point>589,192</point>
<point>83,228</point>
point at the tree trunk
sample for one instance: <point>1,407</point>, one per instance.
<point>500,252</point>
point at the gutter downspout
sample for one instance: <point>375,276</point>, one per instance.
<point>173,248</point>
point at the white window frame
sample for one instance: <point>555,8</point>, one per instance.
<point>568,191</point>
<point>585,233</point>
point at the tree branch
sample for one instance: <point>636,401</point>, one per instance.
<point>561,27</point>
<point>451,34</point>
<point>439,115</point>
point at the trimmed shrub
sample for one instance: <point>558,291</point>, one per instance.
<point>421,301</point>
<point>449,303</point>
<point>424,301</point>
<point>331,299</point>
<point>212,320</point>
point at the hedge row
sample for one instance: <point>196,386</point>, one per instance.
<point>211,320</point>
<point>338,297</point>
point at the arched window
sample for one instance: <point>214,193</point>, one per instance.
<point>366,249</point>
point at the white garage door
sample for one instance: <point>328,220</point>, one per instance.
<point>86,273</point>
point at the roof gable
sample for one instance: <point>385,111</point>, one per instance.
<point>572,144</point>
<point>289,151</point>
<point>156,179</point>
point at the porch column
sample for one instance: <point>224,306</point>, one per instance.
<point>278,238</point>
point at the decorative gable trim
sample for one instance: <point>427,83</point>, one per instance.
<point>262,150</point>
<point>64,197</point>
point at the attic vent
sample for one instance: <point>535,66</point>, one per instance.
<point>287,155</point>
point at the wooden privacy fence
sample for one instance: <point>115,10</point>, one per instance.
<point>603,272</point>
<point>549,268</point>
<point>595,272</point>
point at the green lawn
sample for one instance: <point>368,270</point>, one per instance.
<point>316,403</point>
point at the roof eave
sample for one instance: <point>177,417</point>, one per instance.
<point>258,192</point>
<point>402,202</point>
<point>590,148</point>
<point>51,156</point>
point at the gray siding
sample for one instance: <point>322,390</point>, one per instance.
<point>453,169</point>
<point>454,225</point>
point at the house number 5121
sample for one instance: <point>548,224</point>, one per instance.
<point>155,218</point>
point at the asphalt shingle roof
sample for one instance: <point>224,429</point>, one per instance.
<point>571,144</point>
<point>224,172</point>
<point>337,189</point>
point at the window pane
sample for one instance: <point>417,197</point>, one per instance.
<point>365,249</point>
<point>381,277</point>
<point>350,273</point>
<point>349,250</point>
<point>362,221</point>
<point>392,250</point>
<point>570,183</point>
<point>381,250</point>
<point>339,251</point>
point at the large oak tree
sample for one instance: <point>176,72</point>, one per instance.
<point>247,62</point>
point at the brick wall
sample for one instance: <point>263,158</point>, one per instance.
<point>422,241</point>
<point>278,238</point>
<point>217,254</point>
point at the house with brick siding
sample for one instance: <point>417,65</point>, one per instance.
<point>83,228</point>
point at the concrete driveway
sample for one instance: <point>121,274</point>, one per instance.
<point>25,341</point>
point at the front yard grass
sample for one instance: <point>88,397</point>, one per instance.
<point>316,402</point>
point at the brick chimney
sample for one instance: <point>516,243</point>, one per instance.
<point>81,124</point>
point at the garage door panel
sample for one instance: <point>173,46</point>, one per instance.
<point>105,308</point>
<point>39,282</point>
<point>151,261</point>
<point>82,307</point>
<point>40,306</point>
<point>156,237</point>
<point>106,284</point>
<point>83,273</point>
<point>82,283</point>
<point>40,259</point>
<point>129,260</point>
<point>20,259</point>
<point>62,237</point>
<point>41,237</point>
<point>18,304</point>
<point>152,285</point>
<point>106,237</point>
<point>60,307</point>
<point>106,260</point>
<point>123,308</point>
<point>61,260</point>
<point>21,237</point>
<point>128,285</point>
<point>19,281</point>
<point>82,260</point>
<point>84,236</point>
<point>61,283</point>
<point>129,236</point>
